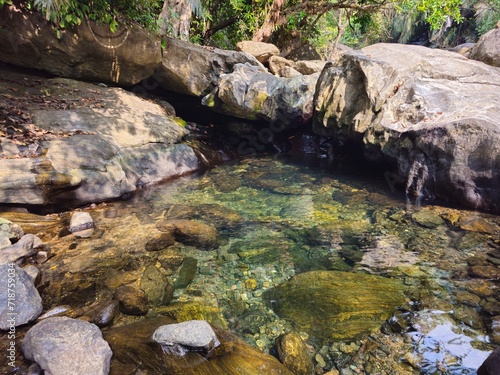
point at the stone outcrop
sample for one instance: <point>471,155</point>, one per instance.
<point>68,346</point>
<point>260,50</point>
<point>195,70</point>
<point>89,51</point>
<point>434,113</point>
<point>96,144</point>
<point>487,48</point>
<point>252,93</point>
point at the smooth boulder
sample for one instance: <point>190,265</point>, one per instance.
<point>487,48</point>
<point>252,93</point>
<point>67,346</point>
<point>195,70</point>
<point>180,338</point>
<point>260,50</point>
<point>89,51</point>
<point>433,113</point>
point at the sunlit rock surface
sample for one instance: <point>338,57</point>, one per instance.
<point>89,144</point>
<point>433,112</point>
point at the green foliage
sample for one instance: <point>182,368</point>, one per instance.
<point>69,13</point>
<point>487,15</point>
<point>436,12</point>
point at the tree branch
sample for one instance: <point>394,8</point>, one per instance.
<point>221,25</point>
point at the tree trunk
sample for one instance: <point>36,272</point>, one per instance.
<point>273,18</point>
<point>175,18</point>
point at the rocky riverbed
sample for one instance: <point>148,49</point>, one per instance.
<point>245,246</point>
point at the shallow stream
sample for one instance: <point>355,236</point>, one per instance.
<point>277,219</point>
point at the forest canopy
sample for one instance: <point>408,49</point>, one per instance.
<point>287,23</point>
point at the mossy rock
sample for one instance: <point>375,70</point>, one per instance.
<point>183,311</point>
<point>335,305</point>
<point>133,353</point>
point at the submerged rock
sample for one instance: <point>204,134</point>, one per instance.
<point>131,346</point>
<point>180,338</point>
<point>103,313</point>
<point>133,301</point>
<point>293,353</point>
<point>20,302</point>
<point>333,305</point>
<point>67,346</point>
<point>427,219</point>
<point>191,232</point>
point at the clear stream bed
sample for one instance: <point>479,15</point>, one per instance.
<point>277,219</point>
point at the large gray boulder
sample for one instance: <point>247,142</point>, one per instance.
<point>105,146</point>
<point>252,93</point>
<point>432,112</point>
<point>20,302</point>
<point>487,48</point>
<point>67,346</point>
<point>195,70</point>
<point>89,51</point>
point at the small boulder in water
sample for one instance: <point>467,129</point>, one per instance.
<point>81,224</point>
<point>180,338</point>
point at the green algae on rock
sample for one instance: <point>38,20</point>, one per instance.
<point>130,345</point>
<point>334,305</point>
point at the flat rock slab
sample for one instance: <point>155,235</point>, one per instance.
<point>89,144</point>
